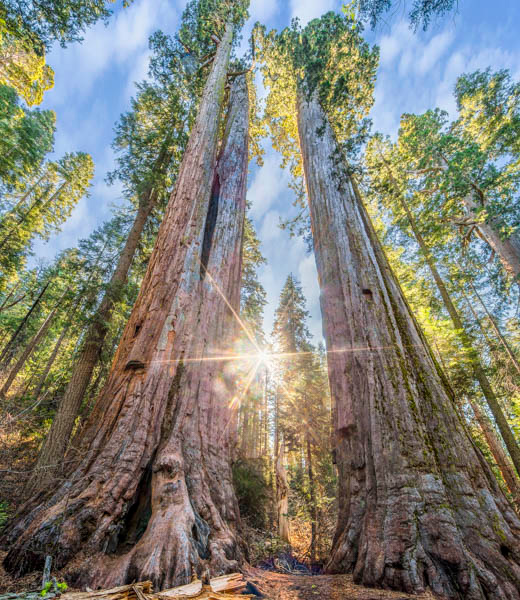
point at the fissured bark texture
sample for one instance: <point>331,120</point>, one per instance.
<point>152,496</point>
<point>418,504</point>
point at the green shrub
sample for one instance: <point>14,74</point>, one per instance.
<point>3,514</point>
<point>252,491</point>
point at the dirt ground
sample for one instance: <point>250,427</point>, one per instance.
<point>274,586</point>
<point>277,586</point>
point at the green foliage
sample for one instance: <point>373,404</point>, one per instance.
<point>327,57</point>
<point>3,514</point>
<point>150,140</point>
<point>53,586</point>
<point>40,206</point>
<point>22,68</point>
<point>252,491</point>
<point>46,589</point>
<point>421,14</point>
<point>42,23</point>
<point>252,293</point>
<point>442,167</point>
<point>203,19</point>
<point>489,109</point>
<point>290,331</point>
<point>26,136</point>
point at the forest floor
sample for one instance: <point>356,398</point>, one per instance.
<point>274,586</point>
<point>278,586</point>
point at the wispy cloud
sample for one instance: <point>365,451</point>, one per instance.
<point>306,10</point>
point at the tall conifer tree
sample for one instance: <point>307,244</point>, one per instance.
<point>418,505</point>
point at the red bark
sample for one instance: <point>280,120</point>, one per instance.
<point>153,487</point>
<point>418,504</point>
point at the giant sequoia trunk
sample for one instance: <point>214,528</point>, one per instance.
<point>476,364</point>
<point>50,459</point>
<point>152,496</point>
<point>418,504</point>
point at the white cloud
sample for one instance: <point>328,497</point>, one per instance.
<point>306,10</point>
<point>399,40</point>
<point>263,10</point>
<point>435,48</point>
<point>268,184</point>
<point>118,44</point>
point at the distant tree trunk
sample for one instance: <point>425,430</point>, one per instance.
<point>6,305</point>
<point>506,248</point>
<point>418,504</point>
<point>245,427</point>
<point>265,423</point>
<point>152,497</point>
<point>37,202</point>
<point>57,440</point>
<point>312,498</point>
<point>50,361</point>
<point>29,349</point>
<point>255,429</point>
<point>503,463</point>
<point>496,329</point>
<point>478,370</point>
<point>103,371</point>
<point>282,493</point>
<point>4,357</point>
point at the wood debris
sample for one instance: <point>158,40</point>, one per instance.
<point>225,587</point>
<point>220,587</point>
<point>133,591</point>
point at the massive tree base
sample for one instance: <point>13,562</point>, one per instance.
<point>178,521</point>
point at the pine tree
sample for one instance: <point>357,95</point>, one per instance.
<point>45,202</point>
<point>26,136</point>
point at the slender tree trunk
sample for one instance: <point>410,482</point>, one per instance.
<point>265,452</point>
<point>254,429</point>
<point>31,208</point>
<point>507,249</point>
<point>245,431</point>
<point>57,440</point>
<point>5,304</point>
<point>418,504</point>
<point>152,497</point>
<point>9,345</point>
<point>496,329</point>
<point>50,361</point>
<point>282,493</point>
<point>502,460</point>
<point>29,349</point>
<point>478,370</point>
<point>312,497</point>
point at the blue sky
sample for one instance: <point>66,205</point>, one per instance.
<point>94,83</point>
